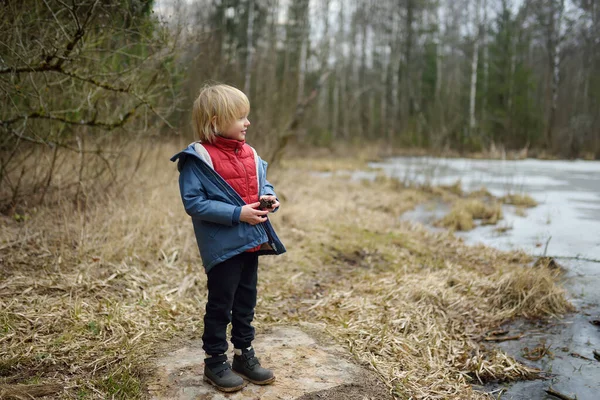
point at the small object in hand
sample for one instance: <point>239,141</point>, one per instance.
<point>266,204</point>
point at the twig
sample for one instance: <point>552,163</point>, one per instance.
<point>57,143</point>
<point>561,396</point>
<point>62,28</point>
<point>50,174</point>
<point>25,239</point>
<point>501,393</point>
<point>546,247</point>
<point>594,260</point>
<point>577,355</point>
<point>16,188</point>
<point>502,338</point>
<point>536,353</point>
<point>81,146</point>
<point>92,122</point>
<point>498,332</point>
<point>46,64</point>
<point>596,355</point>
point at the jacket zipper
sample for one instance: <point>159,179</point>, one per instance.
<point>226,188</point>
<point>269,238</point>
<point>245,170</point>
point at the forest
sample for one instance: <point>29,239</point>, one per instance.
<point>467,76</point>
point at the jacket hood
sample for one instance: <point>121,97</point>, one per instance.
<point>182,155</point>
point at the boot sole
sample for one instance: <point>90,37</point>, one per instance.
<point>262,383</point>
<point>223,388</point>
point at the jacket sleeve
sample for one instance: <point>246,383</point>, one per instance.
<point>196,203</point>
<point>267,189</point>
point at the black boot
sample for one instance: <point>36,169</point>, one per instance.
<point>217,372</point>
<point>248,366</point>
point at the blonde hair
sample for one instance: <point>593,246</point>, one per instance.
<point>224,102</point>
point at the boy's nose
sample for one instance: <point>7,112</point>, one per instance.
<point>247,122</point>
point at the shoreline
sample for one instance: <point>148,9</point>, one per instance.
<point>566,344</point>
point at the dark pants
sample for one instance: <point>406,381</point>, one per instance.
<point>231,299</point>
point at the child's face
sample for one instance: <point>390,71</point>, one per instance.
<point>237,130</point>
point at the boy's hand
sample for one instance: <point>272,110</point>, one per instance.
<point>272,200</point>
<point>252,215</point>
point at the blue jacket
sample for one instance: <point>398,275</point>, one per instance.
<point>215,209</point>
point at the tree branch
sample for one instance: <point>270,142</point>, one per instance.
<point>290,130</point>
<point>58,68</point>
<point>46,64</point>
<point>93,122</point>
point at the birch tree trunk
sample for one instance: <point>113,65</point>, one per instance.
<point>383,92</point>
<point>511,74</point>
<point>249,47</point>
<point>322,101</point>
<point>339,77</point>
<point>407,78</point>
<point>474,62</point>
<point>486,68</point>
<point>335,117</point>
<point>364,92</point>
<point>438,131</point>
<point>302,69</point>
<point>557,15</point>
<point>395,67</point>
<point>438,51</point>
<point>271,81</point>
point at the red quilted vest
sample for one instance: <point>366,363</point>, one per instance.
<point>234,161</point>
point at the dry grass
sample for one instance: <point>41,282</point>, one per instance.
<point>520,211</point>
<point>464,211</point>
<point>519,200</point>
<point>325,164</point>
<point>478,207</point>
<point>336,160</point>
<point>88,296</point>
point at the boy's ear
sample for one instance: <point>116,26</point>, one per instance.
<point>213,122</point>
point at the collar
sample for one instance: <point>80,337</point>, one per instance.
<point>228,144</point>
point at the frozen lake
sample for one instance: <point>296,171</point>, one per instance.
<point>565,224</point>
<point>568,193</point>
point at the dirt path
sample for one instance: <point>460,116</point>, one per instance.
<point>307,367</point>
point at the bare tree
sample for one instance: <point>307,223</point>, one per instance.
<point>62,89</point>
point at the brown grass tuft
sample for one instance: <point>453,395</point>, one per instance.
<point>24,392</point>
<point>520,200</point>
<point>463,213</point>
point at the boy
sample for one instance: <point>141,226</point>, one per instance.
<point>222,183</point>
